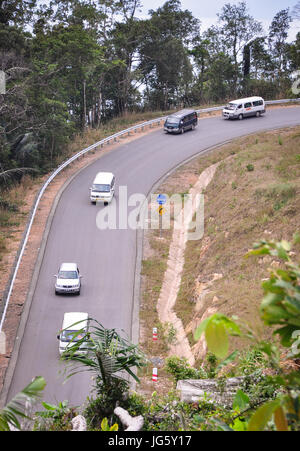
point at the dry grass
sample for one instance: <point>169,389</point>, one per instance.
<point>254,195</point>
<point>13,211</point>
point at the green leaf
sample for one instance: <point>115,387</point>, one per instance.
<point>217,339</point>
<point>285,334</point>
<point>280,420</point>
<point>241,401</point>
<point>17,406</point>
<point>239,425</point>
<point>49,406</point>
<point>263,415</point>
<point>200,329</point>
<point>104,425</point>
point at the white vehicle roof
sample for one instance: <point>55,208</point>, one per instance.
<point>247,99</point>
<point>68,267</point>
<point>103,178</point>
<point>73,317</point>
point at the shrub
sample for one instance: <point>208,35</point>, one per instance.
<point>250,167</point>
<point>180,369</point>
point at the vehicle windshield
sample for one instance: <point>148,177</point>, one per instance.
<point>67,275</point>
<point>231,106</point>
<point>72,335</point>
<point>101,188</point>
<point>173,120</point>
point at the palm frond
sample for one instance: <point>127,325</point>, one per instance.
<point>19,405</point>
<point>9,174</point>
<point>108,354</point>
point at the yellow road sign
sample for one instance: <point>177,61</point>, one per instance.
<point>161,210</point>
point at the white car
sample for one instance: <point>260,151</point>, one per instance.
<point>74,328</point>
<point>68,279</point>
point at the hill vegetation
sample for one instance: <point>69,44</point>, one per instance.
<point>70,65</point>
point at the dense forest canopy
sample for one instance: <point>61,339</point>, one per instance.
<point>72,64</point>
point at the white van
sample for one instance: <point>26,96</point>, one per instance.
<point>74,328</point>
<point>238,109</point>
<point>103,188</point>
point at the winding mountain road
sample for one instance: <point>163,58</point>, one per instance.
<point>107,259</point>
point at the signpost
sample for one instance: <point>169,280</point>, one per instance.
<point>161,200</point>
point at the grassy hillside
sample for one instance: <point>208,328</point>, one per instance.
<point>254,195</point>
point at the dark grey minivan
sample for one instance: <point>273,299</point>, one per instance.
<point>181,121</point>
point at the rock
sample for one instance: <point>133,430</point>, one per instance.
<point>131,423</point>
<point>79,423</point>
<point>193,390</point>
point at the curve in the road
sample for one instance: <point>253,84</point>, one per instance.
<point>107,258</point>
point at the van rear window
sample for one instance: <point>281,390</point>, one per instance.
<point>72,335</point>
<point>258,103</point>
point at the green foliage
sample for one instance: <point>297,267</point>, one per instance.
<point>217,329</point>
<point>55,417</point>
<point>104,404</point>
<point>280,307</point>
<point>180,369</point>
<point>109,357</point>
<point>76,67</point>
<point>281,301</point>
<point>106,427</point>
<point>107,353</point>
<point>18,406</point>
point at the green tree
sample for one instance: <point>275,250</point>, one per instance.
<point>165,63</point>
<point>296,11</point>
<point>17,12</point>
<point>237,29</point>
<point>278,46</point>
<point>294,53</point>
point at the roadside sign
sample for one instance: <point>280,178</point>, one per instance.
<point>161,199</point>
<point>161,210</point>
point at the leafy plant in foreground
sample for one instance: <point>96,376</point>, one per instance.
<point>280,308</point>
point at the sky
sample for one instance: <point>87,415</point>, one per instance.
<point>206,10</point>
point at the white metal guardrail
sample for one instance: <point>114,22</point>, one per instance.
<point>75,157</point>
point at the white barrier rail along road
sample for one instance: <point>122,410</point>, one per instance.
<point>69,161</point>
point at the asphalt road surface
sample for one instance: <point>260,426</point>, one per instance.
<point>107,258</point>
